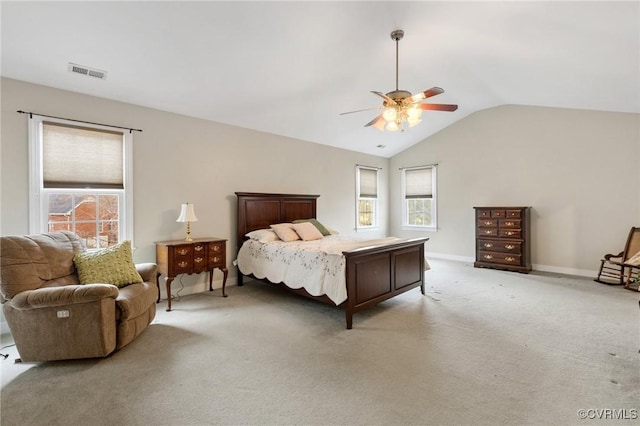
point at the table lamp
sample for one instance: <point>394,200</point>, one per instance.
<point>187,215</point>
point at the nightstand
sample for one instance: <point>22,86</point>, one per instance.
<point>177,257</point>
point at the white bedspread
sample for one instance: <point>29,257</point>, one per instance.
<point>317,266</point>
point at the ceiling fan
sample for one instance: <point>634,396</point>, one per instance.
<point>400,106</point>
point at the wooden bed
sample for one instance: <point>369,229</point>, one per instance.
<point>373,274</point>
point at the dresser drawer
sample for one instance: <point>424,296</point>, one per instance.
<point>510,233</point>
<point>500,246</point>
<point>484,213</point>
<point>514,214</point>
<point>487,222</point>
<point>501,258</point>
<point>487,232</point>
<point>510,223</point>
<point>498,213</point>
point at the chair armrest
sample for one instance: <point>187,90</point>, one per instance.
<point>610,256</point>
<point>48,297</point>
<point>148,272</point>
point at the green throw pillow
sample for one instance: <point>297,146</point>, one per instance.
<point>113,265</point>
<point>324,231</point>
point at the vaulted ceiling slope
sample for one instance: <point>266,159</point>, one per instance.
<point>290,68</point>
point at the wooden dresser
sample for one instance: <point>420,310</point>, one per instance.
<point>191,257</point>
<point>503,238</point>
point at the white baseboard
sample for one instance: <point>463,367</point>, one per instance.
<point>535,267</point>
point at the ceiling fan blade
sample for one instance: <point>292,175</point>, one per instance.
<point>377,122</point>
<point>438,107</point>
<point>360,110</point>
<point>426,94</point>
<point>385,97</point>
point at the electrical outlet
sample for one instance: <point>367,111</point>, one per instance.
<point>63,314</point>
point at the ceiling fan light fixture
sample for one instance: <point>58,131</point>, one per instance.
<point>392,126</point>
<point>390,114</point>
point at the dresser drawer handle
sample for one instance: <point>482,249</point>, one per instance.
<point>488,256</point>
<point>199,248</point>
<point>509,246</point>
<point>488,222</point>
<point>510,259</point>
<point>183,252</point>
<point>509,223</point>
<point>216,248</point>
<point>510,232</point>
<point>488,245</point>
<point>198,260</point>
<point>488,231</point>
<point>182,264</point>
<point>216,259</point>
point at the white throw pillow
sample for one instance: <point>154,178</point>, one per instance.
<point>263,235</point>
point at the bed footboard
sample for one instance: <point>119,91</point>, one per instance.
<point>379,273</point>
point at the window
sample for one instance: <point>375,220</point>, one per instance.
<point>419,198</point>
<point>367,197</point>
<point>80,181</point>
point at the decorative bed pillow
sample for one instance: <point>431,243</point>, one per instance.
<point>323,230</point>
<point>113,265</point>
<point>285,232</point>
<point>263,235</point>
<point>307,231</point>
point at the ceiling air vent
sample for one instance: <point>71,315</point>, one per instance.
<point>90,72</point>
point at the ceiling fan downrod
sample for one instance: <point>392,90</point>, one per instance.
<point>397,36</point>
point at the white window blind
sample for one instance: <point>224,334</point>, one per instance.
<point>368,183</point>
<point>418,183</point>
<point>80,157</point>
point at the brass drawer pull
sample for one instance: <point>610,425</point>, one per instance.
<point>488,245</point>
<point>216,248</point>
<point>488,222</point>
<point>216,259</point>
<point>183,252</point>
<point>182,264</point>
<point>488,256</point>
<point>509,246</point>
<point>198,260</point>
<point>488,231</point>
<point>508,223</point>
<point>199,248</point>
<point>510,259</point>
<point>510,232</point>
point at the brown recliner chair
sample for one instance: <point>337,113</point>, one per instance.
<point>53,317</point>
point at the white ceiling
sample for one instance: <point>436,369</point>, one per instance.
<point>290,68</point>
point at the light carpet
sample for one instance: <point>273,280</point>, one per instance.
<point>483,347</point>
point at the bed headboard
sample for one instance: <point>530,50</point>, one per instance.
<point>258,210</point>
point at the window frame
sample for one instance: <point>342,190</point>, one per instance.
<point>376,210</point>
<point>434,200</point>
<point>39,196</point>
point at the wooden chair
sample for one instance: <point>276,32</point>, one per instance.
<point>615,269</point>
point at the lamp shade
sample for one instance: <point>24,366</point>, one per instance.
<point>187,214</point>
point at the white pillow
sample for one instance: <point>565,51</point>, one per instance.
<point>307,231</point>
<point>263,235</point>
<point>285,232</point>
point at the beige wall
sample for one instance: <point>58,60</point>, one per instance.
<point>579,171</point>
<point>179,159</point>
